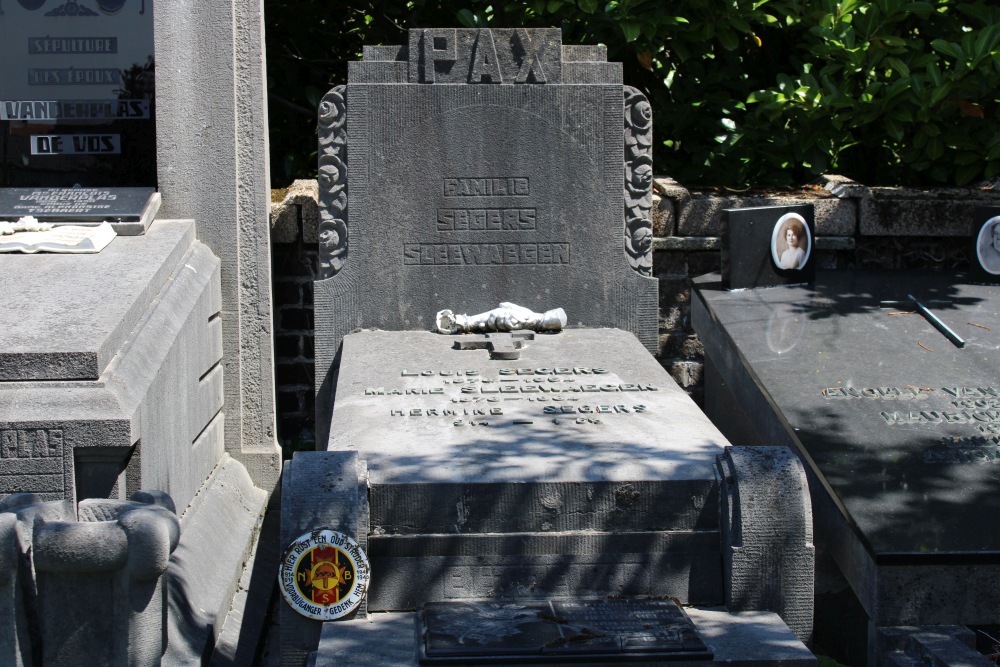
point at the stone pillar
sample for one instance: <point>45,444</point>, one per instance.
<point>767,547</point>
<point>212,166</point>
<point>89,591</point>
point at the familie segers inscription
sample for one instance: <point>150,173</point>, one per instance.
<point>514,396</point>
<point>975,407</point>
<point>324,575</point>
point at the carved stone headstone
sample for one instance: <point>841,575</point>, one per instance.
<point>471,167</point>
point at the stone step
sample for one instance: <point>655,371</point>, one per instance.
<point>744,639</point>
<point>409,570</point>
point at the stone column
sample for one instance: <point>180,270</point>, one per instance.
<point>212,166</point>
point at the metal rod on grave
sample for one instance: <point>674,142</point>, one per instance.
<point>938,324</point>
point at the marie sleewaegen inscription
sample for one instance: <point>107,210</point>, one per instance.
<point>581,392</point>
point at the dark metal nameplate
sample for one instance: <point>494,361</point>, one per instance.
<point>557,631</point>
<point>76,204</point>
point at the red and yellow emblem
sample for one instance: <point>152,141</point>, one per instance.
<point>324,574</point>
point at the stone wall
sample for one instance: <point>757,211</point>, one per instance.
<point>856,227</point>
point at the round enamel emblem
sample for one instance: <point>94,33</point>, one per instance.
<point>324,575</point>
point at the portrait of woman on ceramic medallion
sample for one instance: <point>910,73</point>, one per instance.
<point>988,246</point>
<point>791,242</point>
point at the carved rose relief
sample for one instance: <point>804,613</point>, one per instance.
<point>332,183</point>
<point>638,181</point>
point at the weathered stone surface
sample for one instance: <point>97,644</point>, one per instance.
<point>533,496</point>
<point>342,505</point>
<point>91,591</point>
<point>64,317</point>
<point>212,166</point>
<point>600,422</point>
<point>701,215</point>
<point>489,193</point>
<point>768,554</point>
<point>218,533</point>
<point>163,387</point>
<point>296,214</point>
<point>911,212</point>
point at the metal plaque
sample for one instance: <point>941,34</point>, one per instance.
<point>554,631</point>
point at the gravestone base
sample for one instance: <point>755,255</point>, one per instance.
<point>577,471</point>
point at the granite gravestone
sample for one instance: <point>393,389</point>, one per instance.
<point>507,187</point>
<point>77,103</point>
<point>899,425</point>
<point>466,169</point>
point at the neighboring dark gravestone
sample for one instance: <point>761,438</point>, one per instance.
<point>899,423</point>
<point>529,183</point>
<point>77,93</point>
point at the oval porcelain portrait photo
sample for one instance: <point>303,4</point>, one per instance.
<point>791,242</point>
<point>988,246</point>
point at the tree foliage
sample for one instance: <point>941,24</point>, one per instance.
<point>744,92</point>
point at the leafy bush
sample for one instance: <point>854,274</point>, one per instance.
<point>745,92</point>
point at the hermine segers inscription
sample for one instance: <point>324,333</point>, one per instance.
<point>971,416</point>
<point>517,396</point>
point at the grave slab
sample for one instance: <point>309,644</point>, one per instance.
<point>898,426</point>
<point>551,474</point>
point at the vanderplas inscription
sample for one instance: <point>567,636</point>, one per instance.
<point>484,56</point>
<point>33,443</point>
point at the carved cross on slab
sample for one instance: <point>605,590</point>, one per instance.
<point>500,344</point>
<point>921,307</point>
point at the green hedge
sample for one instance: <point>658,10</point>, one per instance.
<point>744,93</point>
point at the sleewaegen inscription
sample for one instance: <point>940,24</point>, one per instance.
<point>485,253</point>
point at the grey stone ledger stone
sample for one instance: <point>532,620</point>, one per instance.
<point>212,166</point>
<point>491,480</point>
<point>342,505</point>
<point>477,168</point>
<point>96,585</point>
<point>768,552</point>
<point>113,362</point>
